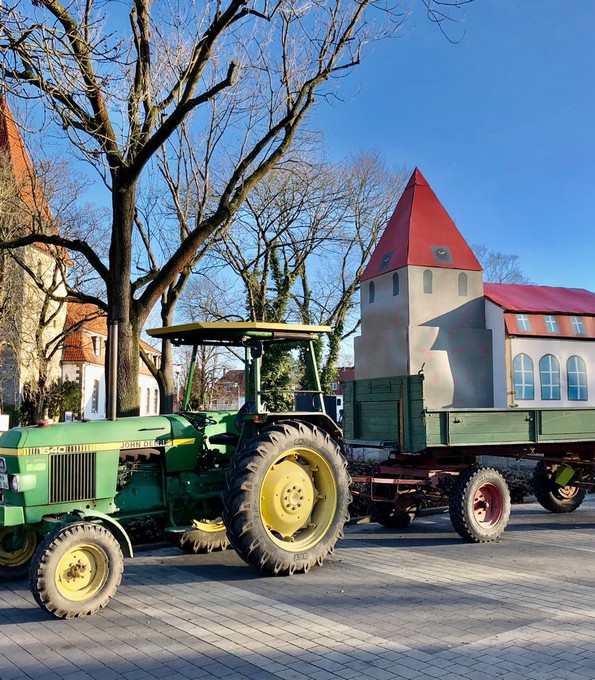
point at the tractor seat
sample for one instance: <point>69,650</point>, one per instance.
<point>225,439</point>
<point>230,438</point>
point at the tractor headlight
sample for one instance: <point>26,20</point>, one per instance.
<point>3,467</point>
<point>20,483</point>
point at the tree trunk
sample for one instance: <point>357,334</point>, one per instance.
<point>120,298</point>
<point>165,375</point>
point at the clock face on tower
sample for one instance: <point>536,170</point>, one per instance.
<point>442,254</point>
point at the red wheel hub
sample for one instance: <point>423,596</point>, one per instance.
<point>488,504</point>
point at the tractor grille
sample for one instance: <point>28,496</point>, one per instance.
<point>72,477</point>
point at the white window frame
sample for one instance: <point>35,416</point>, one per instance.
<point>551,324</point>
<point>523,322</point>
<point>577,373</point>
<point>550,373</point>
<point>524,370</point>
<point>95,397</point>
<point>578,325</point>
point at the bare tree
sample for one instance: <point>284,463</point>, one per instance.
<point>119,93</point>
<point>300,244</point>
<point>499,267</point>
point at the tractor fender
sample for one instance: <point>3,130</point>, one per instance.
<point>321,420</point>
<point>113,525</point>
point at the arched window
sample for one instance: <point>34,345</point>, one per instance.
<point>549,372</point>
<point>371,292</point>
<point>396,283</point>
<point>95,397</point>
<point>427,281</point>
<point>576,371</point>
<point>463,284</point>
<point>523,377</point>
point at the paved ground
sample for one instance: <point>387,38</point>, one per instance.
<point>416,604</point>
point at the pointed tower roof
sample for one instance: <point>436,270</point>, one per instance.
<point>19,163</point>
<point>420,232</point>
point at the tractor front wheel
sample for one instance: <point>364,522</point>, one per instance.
<point>207,536</point>
<point>17,547</point>
<point>286,498</point>
<point>479,504</point>
<point>76,570</point>
<point>552,496</point>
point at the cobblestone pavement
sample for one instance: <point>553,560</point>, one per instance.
<point>414,604</point>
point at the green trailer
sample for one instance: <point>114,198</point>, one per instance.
<point>432,455</point>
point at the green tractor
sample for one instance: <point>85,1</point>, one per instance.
<point>273,484</point>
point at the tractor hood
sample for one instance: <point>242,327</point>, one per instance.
<point>71,437</point>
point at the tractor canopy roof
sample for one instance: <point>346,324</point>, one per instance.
<point>236,333</point>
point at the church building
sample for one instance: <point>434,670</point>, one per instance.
<point>425,308</point>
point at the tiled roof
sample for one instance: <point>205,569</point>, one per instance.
<point>78,345</point>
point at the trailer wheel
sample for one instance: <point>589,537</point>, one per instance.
<point>16,553</point>
<point>286,499</point>
<point>76,570</point>
<point>479,504</point>
<point>552,496</point>
<point>206,537</point>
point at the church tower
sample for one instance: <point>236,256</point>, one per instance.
<point>422,305</point>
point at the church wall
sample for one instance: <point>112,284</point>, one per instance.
<point>32,310</point>
<point>456,364</point>
<point>382,348</point>
<point>445,305</point>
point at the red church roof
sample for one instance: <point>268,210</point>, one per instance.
<point>541,299</point>
<point>421,233</point>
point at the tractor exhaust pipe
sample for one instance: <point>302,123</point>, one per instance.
<point>112,363</point>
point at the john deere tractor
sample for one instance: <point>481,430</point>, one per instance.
<point>273,484</point>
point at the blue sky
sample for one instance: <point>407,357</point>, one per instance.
<point>502,125</point>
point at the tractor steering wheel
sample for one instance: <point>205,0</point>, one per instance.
<point>198,420</point>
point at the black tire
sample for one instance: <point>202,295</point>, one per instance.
<point>286,499</point>
<point>552,496</point>
<point>387,515</point>
<point>76,570</point>
<point>200,541</point>
<point>479,504</point>
<point>15,563</point>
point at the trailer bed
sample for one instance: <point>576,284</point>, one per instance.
<point>392,413</point>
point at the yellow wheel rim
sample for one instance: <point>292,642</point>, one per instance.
<point>82,572</point>
<point>210,526</point>
<point>10,557</point>
<point>298,499</point>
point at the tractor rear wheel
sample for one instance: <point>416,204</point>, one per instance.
<point>552,496</point>
<point>16,550</point>
<point>76,570</point>
<point>207,536</point>
<point>479,504</point>
<point>286,498</point>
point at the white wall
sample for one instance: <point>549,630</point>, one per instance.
<point>495,323</point>
<point>91,373</point>
<point>148,383</point>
